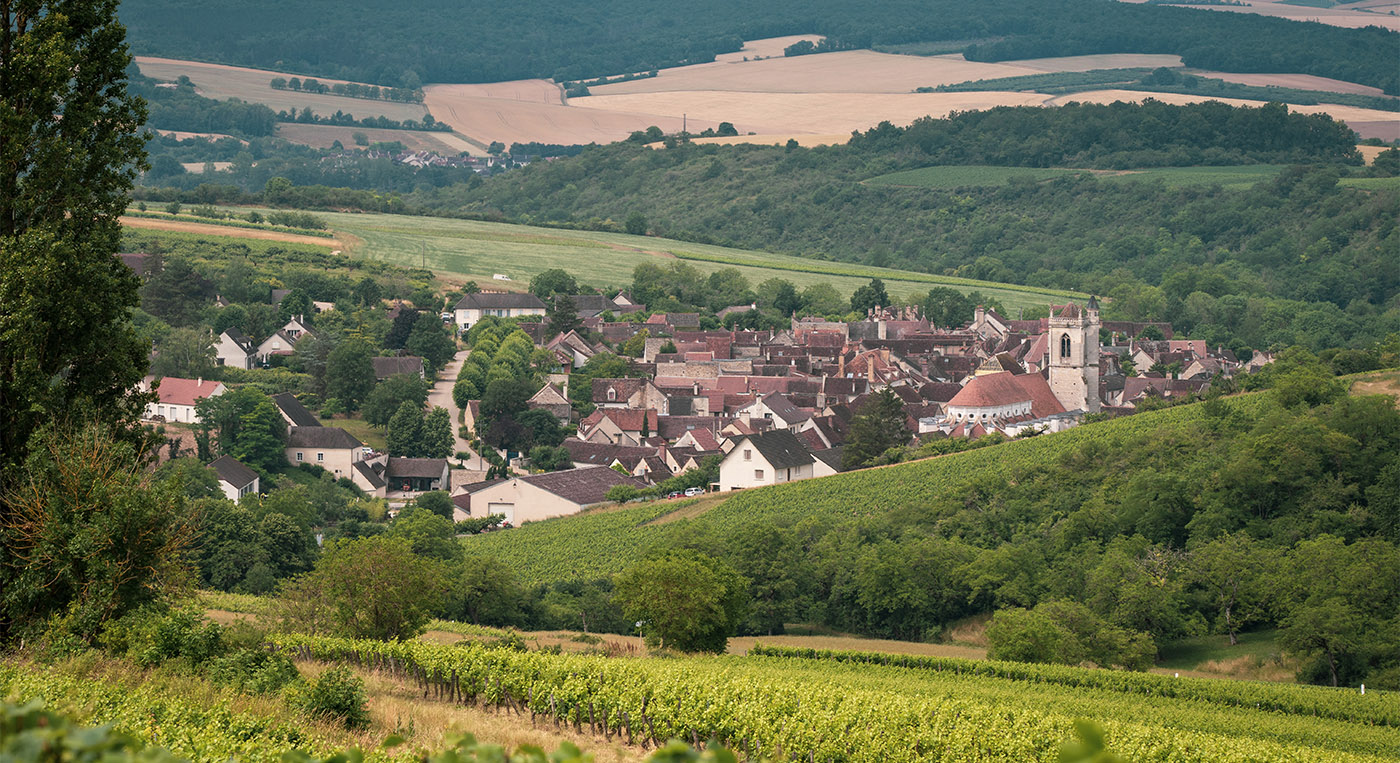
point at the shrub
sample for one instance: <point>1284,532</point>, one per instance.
<point>254,670</point>
<point>337,693</point>
<point>152,637</point>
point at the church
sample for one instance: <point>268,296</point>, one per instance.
<point>996,399</point>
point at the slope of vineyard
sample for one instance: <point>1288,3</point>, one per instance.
<point>797,708</point>
<point>597,544</point>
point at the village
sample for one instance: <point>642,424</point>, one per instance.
<point>747,407</point>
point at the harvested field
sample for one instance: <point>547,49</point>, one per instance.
<point>323,136</point>
<point>851,71</point>
<point>821,113</point>
<point>197,168</point>
<point>771,47</point>
<point>1387,130</point>
<point>510,121</point>
<point>221,82</point>
<point>1342,17</point>
<point>527,90</point>
<point>805,140</point>
<point>1295,81</point>
<point>227,231</point>
<point>209,136</point>
<point>1369,153</point>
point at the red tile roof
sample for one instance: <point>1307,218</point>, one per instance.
<point>177,391</point>
<point>990,391</point>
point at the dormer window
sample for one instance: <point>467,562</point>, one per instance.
<point>612,394</point>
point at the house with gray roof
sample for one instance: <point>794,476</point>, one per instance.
<point>406,364</point>
<point>768,458</point>
<point>293,412</point>
<point>235,479</point>
<point>542,496</point>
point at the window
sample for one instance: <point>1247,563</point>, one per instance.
<point>748,454</point>
<point>612,394</point>
<point>320,456</point>
<point>758,474</point>
<point>299,459</point>
<point>1064,345</point>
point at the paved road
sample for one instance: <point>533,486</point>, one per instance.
<point>441,396</point>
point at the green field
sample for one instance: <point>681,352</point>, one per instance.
<point>1233,177</point>
<point>962,176</point>
<point>1372,184</point>
<point>468,249</point>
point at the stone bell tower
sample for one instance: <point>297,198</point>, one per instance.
<point>1073,352</point>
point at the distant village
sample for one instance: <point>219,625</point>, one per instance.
<point>774,406</point>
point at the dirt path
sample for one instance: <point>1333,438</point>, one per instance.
<point>441,395</point>
<point>228,231</point>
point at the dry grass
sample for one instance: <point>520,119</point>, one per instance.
<point>742,645</point>
<point>397,707</point>
<point>323,136</point>
<point>971,631</point>
<point>1296,81</point>
<point>1382,384</point>
<point>691,509</point>
<point>819,113</point>
<point>851,71</point>
<point>771,47</point>
<point>220,82</point>
<point>227,231</point>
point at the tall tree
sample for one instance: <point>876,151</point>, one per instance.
<point>69,151</point>
<point>563,315</point>
<point>551,282</point>
<point>185,353</point>
<point>437,439</point>
<point>405,436</point>
<point>430,340</point>
<point>350,373</point>
<point>878,427</point>
<point>871,295</point>
<point>384,401</point>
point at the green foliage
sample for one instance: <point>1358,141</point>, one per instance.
<point>432,341</point>
<point>372,587</point>
<point>1066,633</point>
<point>879,426</point>
<point>437,502</point>
<point>339,694</point>
<point>389,395</point>
<point>829,710</point>
<point>685,602</point>
<point>405,436</point>
<point>350,373</point>
<point>248,427</point>
<point>88,535</point>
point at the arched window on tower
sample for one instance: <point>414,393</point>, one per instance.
<point>1064,345</point>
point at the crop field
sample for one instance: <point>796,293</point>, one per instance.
<point>467,249</point>
<point>803,704</point>
<point>1372,184</point>
<point>1235,177</point>
<point>324,136</point>
<point>225,231</point>
<point>961,176</point>
<point>220,82</point>
<point>1293,81</point>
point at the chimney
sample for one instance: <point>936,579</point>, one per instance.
<point>870,369</point>
<point>841,366</point>
<point>199,382</point>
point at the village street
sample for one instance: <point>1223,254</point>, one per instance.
<point>441,395</point>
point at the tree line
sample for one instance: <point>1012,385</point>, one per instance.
<point>383,43</point>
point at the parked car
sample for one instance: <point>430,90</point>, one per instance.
<point>694,491</point>
<point>674,494</point>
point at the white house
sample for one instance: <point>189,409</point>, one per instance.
<point>280,343</point>
<point>474,307</point>
<point>541,496</point>
<point>235,350</point>
<point>178,397</point>
<point>769,458</point>
<point>235,479</point>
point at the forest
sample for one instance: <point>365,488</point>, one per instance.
<point>385,43</point>
<point>1298,259</point>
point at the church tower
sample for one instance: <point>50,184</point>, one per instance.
<point>1074,356</point>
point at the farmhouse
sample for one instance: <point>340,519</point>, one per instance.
<point>235,479</point>
<point>178,397</point>
<point>331,448</point>
<point>765,459</point>
<point>473,307</point>
<point>541,496</point>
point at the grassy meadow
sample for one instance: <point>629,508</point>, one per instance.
<point>473,250</point>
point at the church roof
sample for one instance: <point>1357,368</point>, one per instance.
<point>991,391</point>
<point>1070,311</point>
